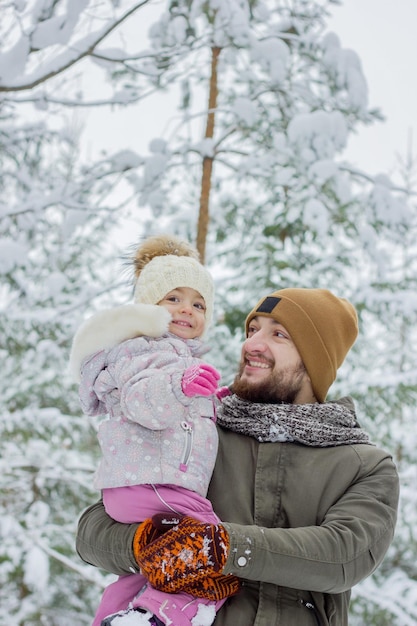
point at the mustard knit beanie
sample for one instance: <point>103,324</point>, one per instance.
<point>163,263</point>
<point>322,326</point>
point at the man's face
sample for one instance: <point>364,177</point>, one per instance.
<point>271,369</point>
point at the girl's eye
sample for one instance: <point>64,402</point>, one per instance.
<point>172,299</point>
<point>200,306</point>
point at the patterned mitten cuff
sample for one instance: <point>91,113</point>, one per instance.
<point>145,534</point>
<point>215,587</point>
<point>184,555</point>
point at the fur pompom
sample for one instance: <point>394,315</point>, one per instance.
<point>161,245</point>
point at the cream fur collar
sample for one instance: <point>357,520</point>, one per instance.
<point>108,328</point>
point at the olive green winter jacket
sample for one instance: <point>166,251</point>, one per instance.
<point>305,524</point>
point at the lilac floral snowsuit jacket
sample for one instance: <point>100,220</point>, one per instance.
<point>153,434</point>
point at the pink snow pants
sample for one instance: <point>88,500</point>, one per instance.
<point>136,503</point>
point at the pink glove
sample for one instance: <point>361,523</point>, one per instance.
<point>223,392</point>
<point>200,380</point>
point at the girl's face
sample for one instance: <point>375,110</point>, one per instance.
<point>188,310</point>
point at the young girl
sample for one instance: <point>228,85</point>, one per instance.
<point>159,441</point>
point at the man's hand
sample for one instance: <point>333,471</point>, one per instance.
<point>188,557</point>
<point>200,380</point>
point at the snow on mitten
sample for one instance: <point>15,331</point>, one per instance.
<point>200,380</point>
<point>184,555</point>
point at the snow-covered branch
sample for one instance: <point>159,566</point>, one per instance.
<point>15,81</point>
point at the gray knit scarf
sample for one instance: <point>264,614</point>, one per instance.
<point>317,425</point>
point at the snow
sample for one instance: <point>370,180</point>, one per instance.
<point>316,216</point>
<point>13,60</point>
<point>36,570</point>
<point>386,206</point>
<point>230,22</point>
<point>273,56</point>
<point>12,254</point>
<point>205,147</point>
<point>132,618</point>
<point>395,587</point>
<point>204,617</point>
<point>156,201</point>
<point>126,159</point>
<point>346,68</point>
<point>178,30</point>
<point>323,170</point>
<point>74,218</point>
<point>324,133</point>
<point>245,110</point>
<point>38,514</point>
<point>59,28</point>
<point>154,167</point>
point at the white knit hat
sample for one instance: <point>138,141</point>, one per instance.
<point>165,272</point>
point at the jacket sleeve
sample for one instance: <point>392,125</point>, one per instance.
<point>147,382</point>
<point>107,544</point>
<point>334,556</point>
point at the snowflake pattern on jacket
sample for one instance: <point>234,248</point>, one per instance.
<point>153,433</point>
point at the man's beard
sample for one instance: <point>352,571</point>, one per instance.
<point>281,387</point>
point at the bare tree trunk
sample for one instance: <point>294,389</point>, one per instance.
<point>203,216</point>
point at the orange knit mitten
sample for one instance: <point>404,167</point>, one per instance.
<point>145,534</point>
<point>214,587</point>
<point>183,556</point>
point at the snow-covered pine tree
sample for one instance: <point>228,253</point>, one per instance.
<point>385,388</point>
<point>59,248</point>
<point>55,262</point>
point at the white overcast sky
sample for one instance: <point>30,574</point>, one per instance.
<point>383,33</point>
